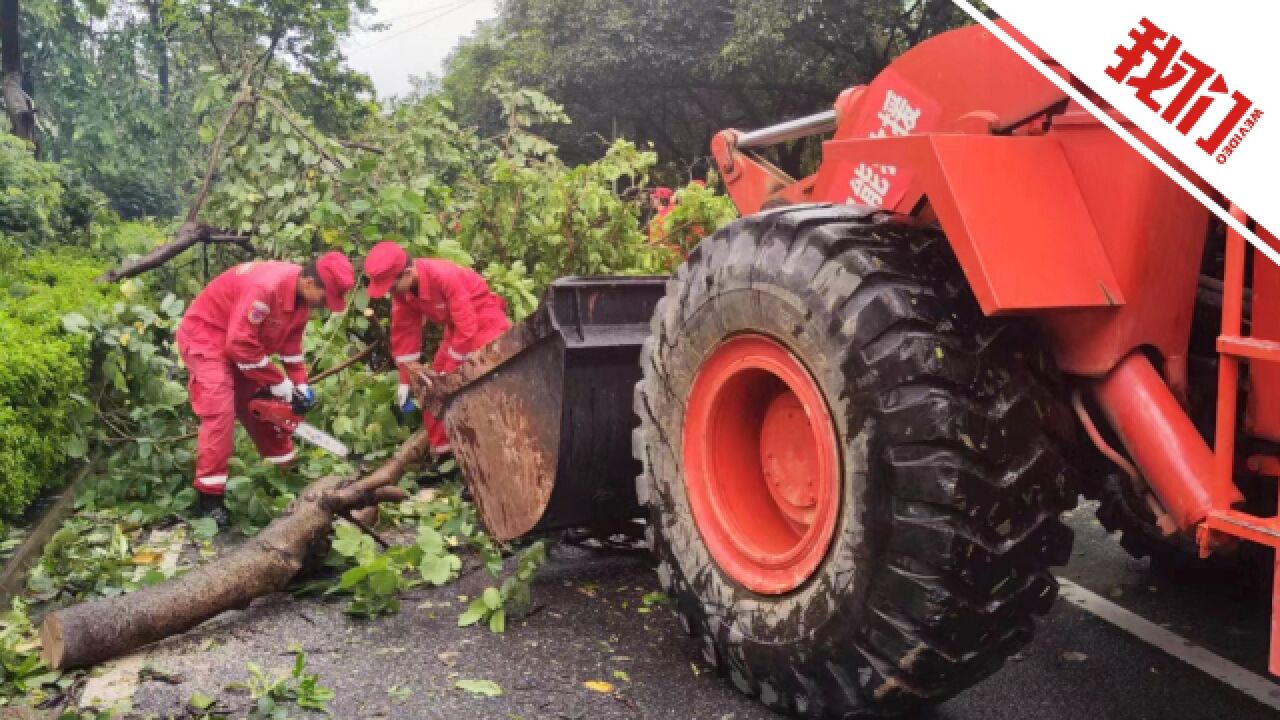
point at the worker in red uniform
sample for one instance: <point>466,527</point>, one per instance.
<point>438,291</point>
<point>226,339</point>
<point>662,202</point>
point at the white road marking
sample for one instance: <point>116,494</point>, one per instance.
<point>1255,686</point>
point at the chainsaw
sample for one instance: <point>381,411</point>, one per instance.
<point>288,417</point>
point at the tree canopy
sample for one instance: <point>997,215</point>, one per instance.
<point>114,82</point>
<point>674,72</point>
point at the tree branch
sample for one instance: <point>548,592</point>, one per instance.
<point>215,154</point>
<point>192,232</point>
<point>354,145</point>
<point>362,355</point>
<point>213,43</point>
<point>190,235</point>
<point>275,105</point>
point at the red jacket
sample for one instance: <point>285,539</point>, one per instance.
<point>247,314</point>
<point>449,295</point>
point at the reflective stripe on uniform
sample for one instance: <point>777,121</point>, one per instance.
<point>282,459</point>
<point>213,481</point>
<point>456,356</point>
<point>292,359</point>
<point>414,357</point>
<point>254,365</point>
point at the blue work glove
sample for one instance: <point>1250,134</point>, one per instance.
<point>304,398</point>
<point>404,401</point>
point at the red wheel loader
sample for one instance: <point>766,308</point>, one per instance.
<point>856,420</point>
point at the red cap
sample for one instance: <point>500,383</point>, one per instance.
<point>338,276</point>
<point>383,265</point>
<point>661,192</point>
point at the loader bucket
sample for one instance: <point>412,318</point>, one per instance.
<point>542,427</point>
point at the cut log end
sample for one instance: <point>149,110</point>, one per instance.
<point>52,648</point>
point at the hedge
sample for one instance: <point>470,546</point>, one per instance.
<point>41,366</point>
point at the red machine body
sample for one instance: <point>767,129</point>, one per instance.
<point>1053,216</point>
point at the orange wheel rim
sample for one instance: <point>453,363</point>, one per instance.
<point>761,464</point>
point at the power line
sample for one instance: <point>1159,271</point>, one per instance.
<point>418,12</point>
<point>454,7</point>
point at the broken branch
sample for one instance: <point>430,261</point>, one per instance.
<point>189,235</point>
<point>358,357</point>
<point>191,232</point>
<point>96,631</point>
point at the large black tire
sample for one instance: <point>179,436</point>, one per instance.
<point>1121,511</point>
<point>1244,573</point>
<point>952,464</point>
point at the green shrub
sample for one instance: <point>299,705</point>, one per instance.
<point>41,367</point>
<point>38,373</point>
<point>42,203</point>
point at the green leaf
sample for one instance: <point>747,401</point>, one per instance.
<point>498,621</point>
<point>655,598</point>
<point>474,614</point>
<point>200,701</point>
<point>352,577</point>
<point>384,582</point>
<point>76,447</point>
<point>348,540</point>
<point>492,598</point>
<point>483,688</point>
<point>436,569</point>
<point>203,528</point>
<point>172,306</point>
<point>74,322</point>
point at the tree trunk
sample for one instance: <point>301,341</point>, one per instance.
<point>161,49</point>
<point>22,113</point>
<point>96,631</point>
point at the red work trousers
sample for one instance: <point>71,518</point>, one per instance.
<point>219,395</point>
<point>492,326</point>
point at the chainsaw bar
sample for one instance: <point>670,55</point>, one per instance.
<point>321,439</point>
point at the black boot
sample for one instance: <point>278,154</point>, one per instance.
<point>211,506</point>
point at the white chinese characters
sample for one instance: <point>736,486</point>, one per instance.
<point>897,117</point>
<point>872,183</point>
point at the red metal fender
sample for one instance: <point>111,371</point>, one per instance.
<point>1010,207</point>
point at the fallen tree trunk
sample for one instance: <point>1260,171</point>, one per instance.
<point>96,631</point>
<point>189,235</point>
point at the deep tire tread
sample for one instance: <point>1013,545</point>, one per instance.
<point>970,434</point>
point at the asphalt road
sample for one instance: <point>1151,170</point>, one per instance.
<point>590,627</point>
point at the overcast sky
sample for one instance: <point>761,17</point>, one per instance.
<point>420,34</point>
